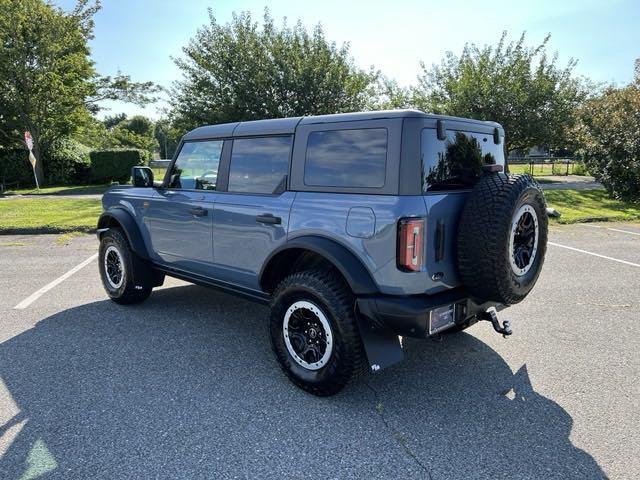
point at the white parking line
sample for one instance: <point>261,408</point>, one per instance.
<point>623,231</point>
<point>33,297</point>
<point>595,254</point>
<point>612,229</point>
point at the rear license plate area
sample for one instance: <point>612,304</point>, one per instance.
<point>441,318</point>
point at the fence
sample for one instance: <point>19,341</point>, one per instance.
<point>547,166</point>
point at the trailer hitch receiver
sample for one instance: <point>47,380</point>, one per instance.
<point>490,316</point>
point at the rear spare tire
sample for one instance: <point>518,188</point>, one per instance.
<point>502,238</point>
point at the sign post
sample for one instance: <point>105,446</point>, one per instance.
<point>28,139</point>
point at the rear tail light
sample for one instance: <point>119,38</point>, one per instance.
<point>411,244</point>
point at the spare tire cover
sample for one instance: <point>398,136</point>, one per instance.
<point>502,238</point>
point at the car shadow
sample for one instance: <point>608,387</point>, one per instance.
<point>185,386</point>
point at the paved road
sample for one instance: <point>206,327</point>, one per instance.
<point>185,386</point>
<point>568,182</point>
<point>572,186</point>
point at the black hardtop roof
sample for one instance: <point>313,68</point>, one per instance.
<point>283,126</point>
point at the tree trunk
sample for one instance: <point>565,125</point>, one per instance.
<point>39,168</point>
<point>506,157</point>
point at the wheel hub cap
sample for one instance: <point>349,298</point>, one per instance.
<point>114,267</point>
<point>307,335</point>
<point>523,242</point>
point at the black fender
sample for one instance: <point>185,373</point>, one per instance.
<point>122,218</point>
<point>350,266</point>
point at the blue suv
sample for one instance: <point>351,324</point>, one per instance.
<point>357,229</point>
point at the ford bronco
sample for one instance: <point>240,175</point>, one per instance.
<point>357,229</point>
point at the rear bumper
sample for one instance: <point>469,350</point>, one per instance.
<point>410,316</point>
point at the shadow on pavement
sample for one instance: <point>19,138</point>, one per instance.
<point>185,386</point>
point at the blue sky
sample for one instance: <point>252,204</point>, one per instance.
<point>138,37</point>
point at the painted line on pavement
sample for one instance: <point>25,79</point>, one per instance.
<point>623,231</point>
<point>33,297</point>
<point>612,229</point>
<point>595,254</point>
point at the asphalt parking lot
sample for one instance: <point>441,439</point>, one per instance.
<point>185,385</point>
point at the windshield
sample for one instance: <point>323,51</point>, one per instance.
<point>456,162</point>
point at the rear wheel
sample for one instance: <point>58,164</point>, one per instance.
<point>123,275</point>
<point>314,333</point>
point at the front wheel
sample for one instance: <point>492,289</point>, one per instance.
<point>123,275</point>
<point>314,333</point>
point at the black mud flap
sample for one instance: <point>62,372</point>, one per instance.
<point>381,345</point>
<point>143,274</point>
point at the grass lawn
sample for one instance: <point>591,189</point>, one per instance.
<point>538,169</point>
<point>590,205</point>
<point>61,215</point>
<point>158,173</point>
<point>50,215</point>
<point>62,190</point>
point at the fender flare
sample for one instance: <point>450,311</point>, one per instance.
<point>127,223</point>
<point>346,262</point>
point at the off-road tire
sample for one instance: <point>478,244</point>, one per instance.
<point>329,292</point>
<point>135,287</point>
<point>483,243</point>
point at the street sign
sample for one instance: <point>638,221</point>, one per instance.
<point>28,139</point>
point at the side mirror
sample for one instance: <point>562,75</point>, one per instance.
<point>142,177</point>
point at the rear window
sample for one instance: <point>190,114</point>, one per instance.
<point>456,163</point>
<point>259,165</point>
<point>346,158</point>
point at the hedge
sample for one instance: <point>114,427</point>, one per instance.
<point>115,164</point>
<point>15,166</point>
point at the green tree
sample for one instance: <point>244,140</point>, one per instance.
<point>386,94</point>
<point>609,134</point>
<point>521,87</point>
<point>134,132</point>
<point>168,137</point>
<point>48,83</point>
<point>139,124</point>
<point>111,121</point>
<point>241,71</point>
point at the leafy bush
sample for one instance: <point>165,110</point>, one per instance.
<point>609,132</point>
<point>559,167</point>
<point>67,162</point>
<point>115,164</point>
<point>579,169</point>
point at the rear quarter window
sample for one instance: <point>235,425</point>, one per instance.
<point>355,158</point>
<point>456,162</point>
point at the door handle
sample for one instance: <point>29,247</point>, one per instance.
<point>199,212</point>
<point>269,219</point>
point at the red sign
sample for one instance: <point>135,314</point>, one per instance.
<point>28,140</point>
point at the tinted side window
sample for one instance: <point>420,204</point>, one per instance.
<point>456,163</point>
<point>259,165</point>
<point>346,158</point>
<point>196,167</point>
